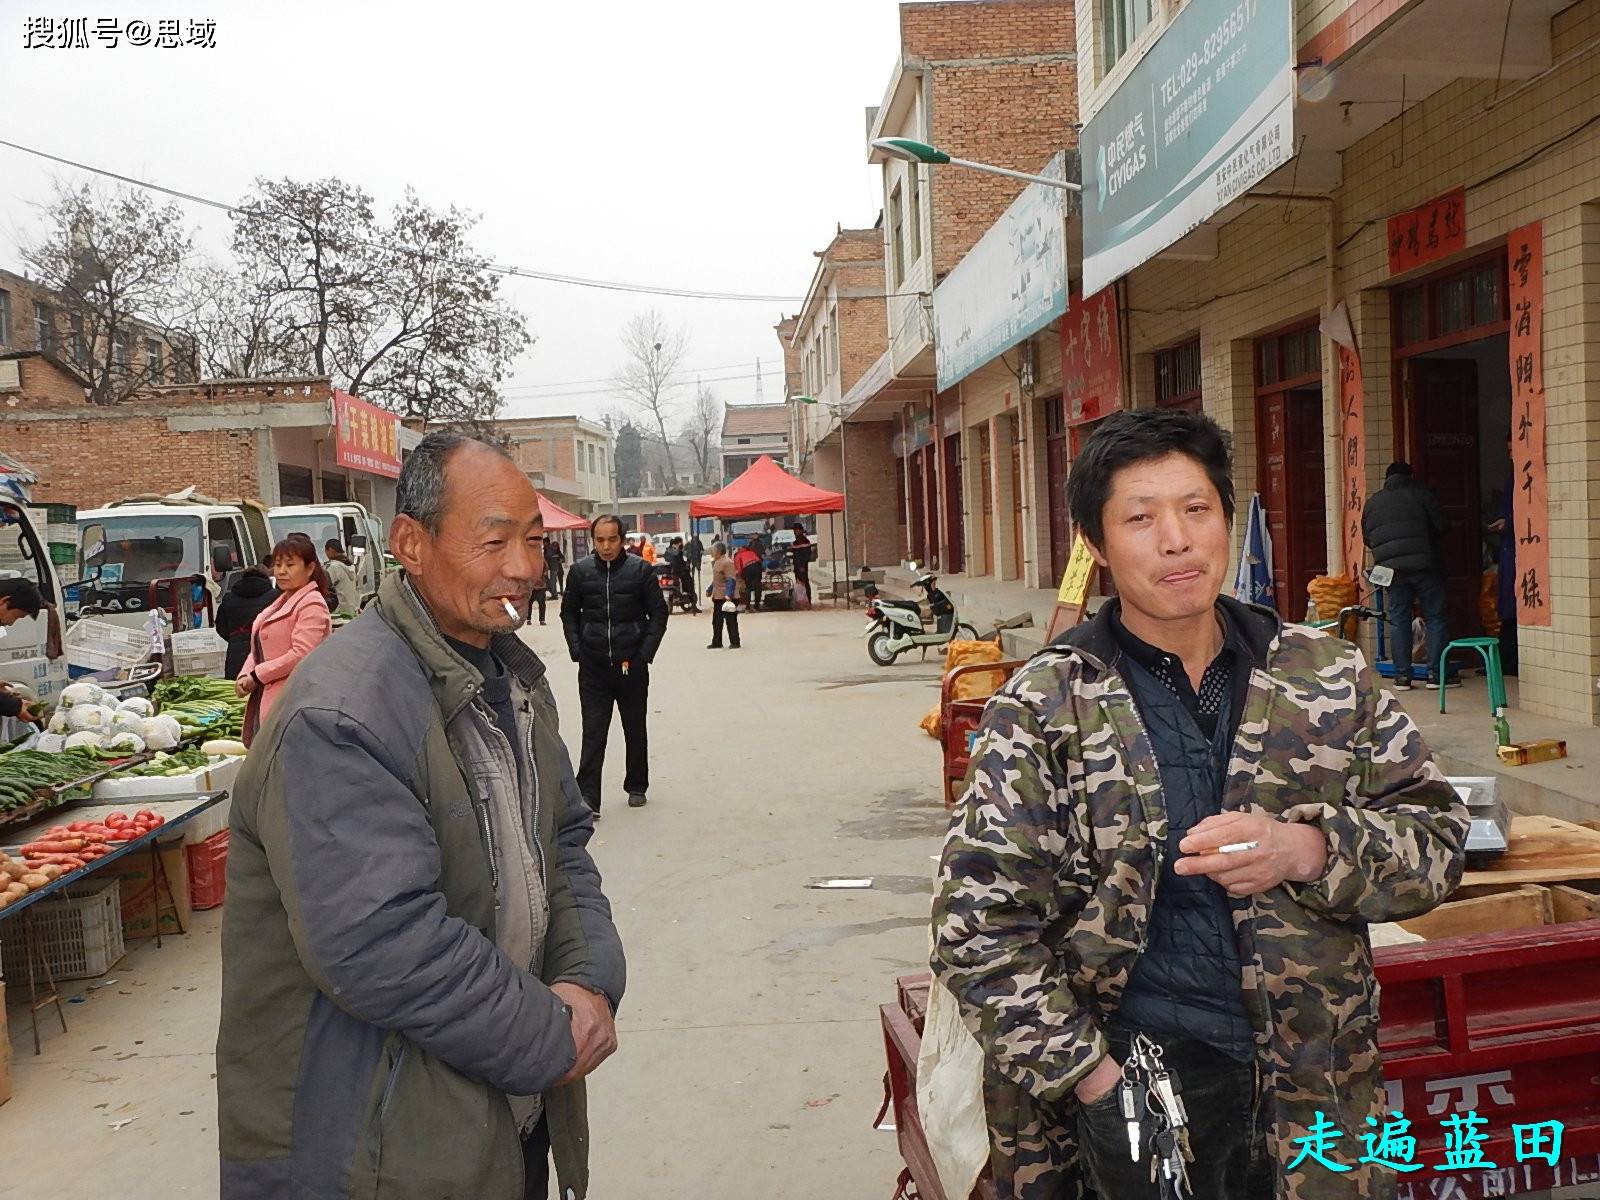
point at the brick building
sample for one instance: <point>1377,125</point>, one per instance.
<point>992,81</point>
<point>838,334</point>
<point>1409,231</point>
<point>266,439</point>
<point>750,431</point>
<point>571,459</point>
<point>34,316</point>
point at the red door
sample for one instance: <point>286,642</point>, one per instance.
<point>1444,455</point>
<point>919,550</point>
<point>955,534</point>
<point>930,501</point>
<point>1291,482</point>
<point>1058,455</point>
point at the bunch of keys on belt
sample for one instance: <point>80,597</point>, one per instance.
<point>1148,1087</point>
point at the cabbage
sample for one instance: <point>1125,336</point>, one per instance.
<point>84,739</point>
<point>161,732</point>
<point>139,705</point>
<point>58,722</point>
<point>82,693</point>
<point>50,743</point>
<point>125,720</point>
<point>89,716</point>
<point>123,743</point>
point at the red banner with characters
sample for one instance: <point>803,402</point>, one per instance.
<point>365,437</point>
<point>1091,357</point>
<point>1530,502</point>
<point>1430,231</point>
<point>1352,459</point>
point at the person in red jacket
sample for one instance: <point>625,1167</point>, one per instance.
<point>747,561</point>
<point>290,628</point>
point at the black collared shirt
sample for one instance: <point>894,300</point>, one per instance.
<point>1229,672</point>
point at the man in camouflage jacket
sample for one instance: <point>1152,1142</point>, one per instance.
<point>1050,873</point>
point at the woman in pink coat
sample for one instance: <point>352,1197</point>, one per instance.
<point>290,628</point>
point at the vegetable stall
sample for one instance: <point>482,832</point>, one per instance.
<point>113,826</point>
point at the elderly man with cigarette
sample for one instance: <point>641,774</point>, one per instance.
<point>1154,896</point>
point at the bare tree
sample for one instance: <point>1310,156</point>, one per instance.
<point>654,350</point>
<point>703,428</point>
<point>114,260</point>
<point>403,313</point>
<point>229,331</point>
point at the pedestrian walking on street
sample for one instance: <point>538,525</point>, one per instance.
<point>419,965</point>
<point>747,561</point>
<point>342,576</point>
<point>1404,527</point>
<point>287,630</point>
<point>1179,820</point>
<point>724,591</point>
<point>252,592</point>
<point>801,551</point>
<point>696,551</point>
<point>555,564</point>
<point>614,617</point>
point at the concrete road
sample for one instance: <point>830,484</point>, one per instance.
<point>750,1062</point>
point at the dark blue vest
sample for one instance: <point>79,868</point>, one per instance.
<point>1186,982</point>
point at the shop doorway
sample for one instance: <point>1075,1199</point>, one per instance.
<point>919,545</point>
<point>1058,454</point>
<point>1453,419</point>
<point>1289,462</point>
<point>1014,435</point>
<point>955,534</point>
<point>930,503</point>
<point>986,486</point>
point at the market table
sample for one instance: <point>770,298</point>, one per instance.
<point>175,812</point>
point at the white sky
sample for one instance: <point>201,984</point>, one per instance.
<point>708,144</point>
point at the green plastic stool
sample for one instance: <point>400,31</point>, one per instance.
<point>1489,649</point>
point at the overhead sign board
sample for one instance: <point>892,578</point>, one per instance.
<point>1205,115</point>
<point>1009,286</point>
<point>365,436</point>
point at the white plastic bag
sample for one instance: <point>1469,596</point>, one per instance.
<point>950,1095</point>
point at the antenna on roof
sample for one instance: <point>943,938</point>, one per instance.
<point>758,380</point>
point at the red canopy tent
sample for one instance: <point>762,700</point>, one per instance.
<point>766,490</point>
<point>557,518</point>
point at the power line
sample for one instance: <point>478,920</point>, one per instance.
<point>697,373</point>
<point>517,393</point>
<point>493,268</point>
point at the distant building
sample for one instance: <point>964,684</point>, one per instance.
<point>748,432</point>
<point>683,478</point>
<point>34,316</point>
<point>572,460</point>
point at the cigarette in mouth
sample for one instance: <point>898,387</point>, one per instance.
<point>1234,848</point>
<point>511,609</point>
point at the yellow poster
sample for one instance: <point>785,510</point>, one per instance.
<point>1075,579</point>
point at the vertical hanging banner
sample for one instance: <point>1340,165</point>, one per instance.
<point>1352,459</point>
<point>1091,357</point>
<point>1530,505</point>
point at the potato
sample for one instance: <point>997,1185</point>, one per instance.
<point>11,869</point>
<point>17,889</point>
<point>50,871</point>
<point>35,881</point>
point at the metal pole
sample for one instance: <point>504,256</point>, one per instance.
<point>844,474</point>
<point>1063,184</point>
<point>833,542</point>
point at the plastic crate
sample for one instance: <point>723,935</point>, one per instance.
<point>199,652</point>
<point>208,871</point>
<point>63,554</point>
<point>100,646</point>
<point>80,936</point>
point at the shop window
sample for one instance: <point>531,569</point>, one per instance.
<point>80,340</point>
<point>294,485</point>
<point>1178,376</point>
<point>1450,305</point>
<point>5,318</point>
<point>1295,356</point>
<point>916,215</point>
<point>155,359</point>
<point>897,236</point>
<point>1121,23</point>
<point>44,327</point>
<point>335,487</point>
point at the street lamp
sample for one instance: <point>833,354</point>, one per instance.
<point>844,484</point>
<point>908,150</point>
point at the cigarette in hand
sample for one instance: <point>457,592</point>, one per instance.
<point>1233,848</point>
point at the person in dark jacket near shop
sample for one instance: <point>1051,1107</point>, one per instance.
<point>419,965</point>
<point>252,594</point>
<point>614,617</point>
<point>1404,527</point>
<point>20,599</point>
<point>555,565</point>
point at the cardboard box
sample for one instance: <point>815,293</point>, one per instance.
<point>5,1050</point>
<point>135,874</point>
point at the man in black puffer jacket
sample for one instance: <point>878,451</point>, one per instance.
<point>1404,528</point>
<point>614,618</point>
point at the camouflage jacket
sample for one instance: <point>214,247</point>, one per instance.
<point>1050,868</point>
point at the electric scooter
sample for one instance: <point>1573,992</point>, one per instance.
<point>896,626</point>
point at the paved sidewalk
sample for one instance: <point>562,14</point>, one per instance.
<point>750,1062</point>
